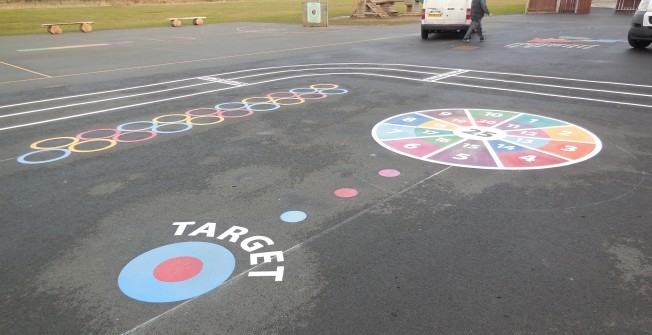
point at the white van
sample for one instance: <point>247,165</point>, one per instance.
<point>445,15</point>
<point>640,32</point>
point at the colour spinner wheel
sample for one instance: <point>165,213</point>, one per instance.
<point>486,139</point>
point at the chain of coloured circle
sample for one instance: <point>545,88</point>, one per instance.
<point>174,123</point>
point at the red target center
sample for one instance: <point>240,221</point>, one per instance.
<point>178,269</point>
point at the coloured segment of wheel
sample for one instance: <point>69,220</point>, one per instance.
<point>486,139</point>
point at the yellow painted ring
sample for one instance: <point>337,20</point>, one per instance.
<point>36,145</point>
<point>300,101</point>
<point>185,118</point>
<point>112,143</point>
<point>265,100</point>
<point>191,121</point>
<point>324,86</point>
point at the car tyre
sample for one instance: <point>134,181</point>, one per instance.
<point>637,44</point>
<point>424,34</point>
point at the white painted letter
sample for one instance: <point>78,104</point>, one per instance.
<point>182,227</point>
<point>208,229</point>
<point>235,232</point>
<point>278,274</point>
<point>255,246</point>
<point>267,257</point>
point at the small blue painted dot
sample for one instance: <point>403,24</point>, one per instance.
<point>293,216</point>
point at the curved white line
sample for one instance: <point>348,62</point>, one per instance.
<point>354,71</point>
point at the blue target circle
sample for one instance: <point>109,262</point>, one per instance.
<point>137,280</point>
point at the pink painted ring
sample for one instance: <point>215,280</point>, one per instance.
<point>81,136</point>
<point>152,134</point>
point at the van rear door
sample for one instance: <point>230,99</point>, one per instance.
<point>456,11</point>
<point>435,11</point>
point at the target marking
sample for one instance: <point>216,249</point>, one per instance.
<point>177,271</point>
<point>486,139</point>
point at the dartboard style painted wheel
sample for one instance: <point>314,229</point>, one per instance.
<point>486,139</point>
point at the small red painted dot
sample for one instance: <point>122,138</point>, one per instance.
<point>346,192</point>
<point>178,269</point>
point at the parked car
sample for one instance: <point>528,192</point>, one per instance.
<point>640,33</point>
<point>445,16</point>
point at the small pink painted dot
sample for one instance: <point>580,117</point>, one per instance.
<point>178,269</point>
<point>346,192</point>
<point>389,173</point>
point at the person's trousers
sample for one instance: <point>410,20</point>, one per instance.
<point>476,26</point>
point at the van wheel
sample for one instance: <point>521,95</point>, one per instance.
<point>637,44</point>
<point>424,34</point>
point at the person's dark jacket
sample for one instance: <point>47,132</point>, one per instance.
<point>478,9</point>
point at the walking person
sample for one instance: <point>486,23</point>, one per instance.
<point>478,10</point>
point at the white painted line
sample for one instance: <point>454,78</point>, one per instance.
<point>328,74</point>
<point>297,246</point>
<point>508,120</point>
<point>470,117</point>
<point>441,76</point>
<point>548,94</point>
<point>537,150</point>
<point>95,93</point>
<point>222,81</point>
<point>216,58</point>
<point>112,109</point>
<point>331,68</point>
<point>557,86</point>
<point>434,118</point>
<point>100,100</point>
<point>493,154</point>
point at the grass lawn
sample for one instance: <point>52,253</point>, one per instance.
<point>28,20</point>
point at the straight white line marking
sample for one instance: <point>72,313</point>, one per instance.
<point>556,86</point>
<point>441,76</point>
<point>96,93</point>
<point>297,246</point>
<point>222,81</point>
<point>548,94</point>
<point>493,154</point>
<point>101,100</point>
<point>112,109</point>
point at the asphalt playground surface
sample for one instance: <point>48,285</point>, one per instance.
<point>519,204</point>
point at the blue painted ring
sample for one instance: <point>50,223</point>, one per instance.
<point>137,280</point>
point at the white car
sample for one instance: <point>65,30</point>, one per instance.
<point>640,33</point>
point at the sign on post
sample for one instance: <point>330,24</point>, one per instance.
<point>315,13</point>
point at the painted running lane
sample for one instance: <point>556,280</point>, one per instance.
<point>32,113</point>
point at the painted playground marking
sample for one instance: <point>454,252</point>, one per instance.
<point>567,42</point>
<point>619,93</point>
<point>176,272</point>
<point>53,149</point>
<point>486,139</point>
<point>185,270</point>
<point>579,89</point>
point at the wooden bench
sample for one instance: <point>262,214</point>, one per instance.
<point>55,28</point>
<point>196,20</point>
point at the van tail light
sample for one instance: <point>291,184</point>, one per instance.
<point>423,14</point>
<point>468,13</point>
